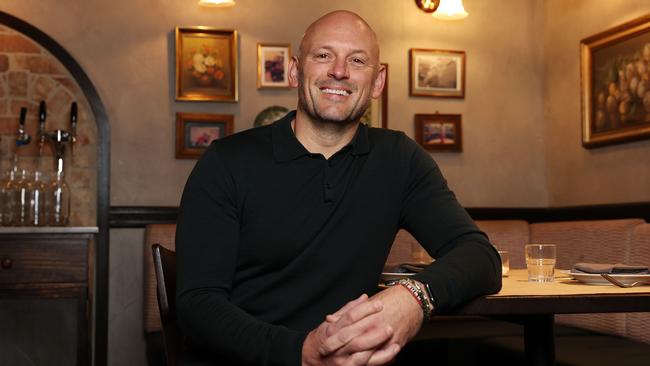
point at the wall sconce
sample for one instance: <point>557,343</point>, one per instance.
<point>217,3</point>
<point>443,9</point>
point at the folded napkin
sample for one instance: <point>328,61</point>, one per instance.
<point>409,267</point>
<point>610,268</point>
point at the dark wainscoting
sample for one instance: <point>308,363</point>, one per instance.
<point>140,216</point>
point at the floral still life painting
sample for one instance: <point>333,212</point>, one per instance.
<point>195,132</point>
<point>206,65</point>
<point>616,84</point>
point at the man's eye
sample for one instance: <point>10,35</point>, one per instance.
<point>322,56</point>
<point>358,61</point>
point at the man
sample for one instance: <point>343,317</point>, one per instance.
<point>283,229</point>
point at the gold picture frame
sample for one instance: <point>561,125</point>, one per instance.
<point>615,84</point>
<point>273,65</point>
<point>436,73</point>
<point>439,132</point>
<point>195,132</point>
<point>206,64</point>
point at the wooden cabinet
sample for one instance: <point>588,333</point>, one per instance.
<point>45,292</point>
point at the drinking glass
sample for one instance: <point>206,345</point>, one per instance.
<point>505,262</point>
<point>540,261</point>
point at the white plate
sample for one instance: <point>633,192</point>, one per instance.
<point>392,276</point>
<point>596,279</point>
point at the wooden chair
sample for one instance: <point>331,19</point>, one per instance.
<point>164,261</point>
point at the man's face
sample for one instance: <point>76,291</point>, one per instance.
<point>337,72</point>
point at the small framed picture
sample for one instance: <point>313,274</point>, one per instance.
<point>436,73</point>
<point>206,64</point>
<point>195,132</point>
<point>273,65</point>
<point>615,83</point>
<point>439,132</point>
<point>377,113</point>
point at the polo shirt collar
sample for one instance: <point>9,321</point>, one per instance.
<point>286,146</point>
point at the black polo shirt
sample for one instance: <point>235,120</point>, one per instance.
<point>271,237</point>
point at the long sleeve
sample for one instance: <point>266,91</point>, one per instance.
<point>466,264</point>
<point>207,248</point>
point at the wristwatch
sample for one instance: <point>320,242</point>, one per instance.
<point>432,299</point>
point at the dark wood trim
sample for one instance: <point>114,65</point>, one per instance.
<point>140,216</point>
<point>103,175</point>
<point>542,214</point>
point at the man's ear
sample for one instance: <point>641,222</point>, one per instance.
<point>380,81</point>
<point>294,64</point>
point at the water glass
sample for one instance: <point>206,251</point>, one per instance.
<point>505,262</point>
<point>540,261</point>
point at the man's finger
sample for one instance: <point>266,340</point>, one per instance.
<point>353,315</point>
<point>359,359</point>
<point>384,355</point>
<point>368,333</point>
<point>369,340</point>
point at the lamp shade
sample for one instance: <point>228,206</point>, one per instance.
<point>217,3</point>
<point>450,10</point>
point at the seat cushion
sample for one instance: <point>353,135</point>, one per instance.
<point>403,248</point>
<point>638,324</point>
<point>509,235</point>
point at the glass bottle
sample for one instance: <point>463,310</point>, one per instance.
<point>59,198</point>
<point>37,208</point>
<point>22,193</point>
<point>7,198</point>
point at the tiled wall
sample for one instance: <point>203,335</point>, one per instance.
<point>28,75</point>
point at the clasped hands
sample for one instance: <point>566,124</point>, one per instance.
<point>366,331</point>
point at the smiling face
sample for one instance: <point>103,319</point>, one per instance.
<point>338,69</point>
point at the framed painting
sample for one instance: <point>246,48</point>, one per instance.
<point>615,84</point>
<point>195,132</point>
<point>273,65</point>
<point>439,132</point>
<point>206,64</point>
<point>436,73</point>
<point>377,113</point>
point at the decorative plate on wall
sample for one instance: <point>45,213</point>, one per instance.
<point>269,115</point>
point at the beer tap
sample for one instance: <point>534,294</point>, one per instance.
<point>58,191</point>
<point>42,113</point>
<point>23,138</point>
<point>73,127</point>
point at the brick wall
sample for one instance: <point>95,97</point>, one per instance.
<point>28,75</point>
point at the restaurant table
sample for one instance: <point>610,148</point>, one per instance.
<point>534,304</point>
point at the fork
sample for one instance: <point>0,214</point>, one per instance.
<point>621,284</point>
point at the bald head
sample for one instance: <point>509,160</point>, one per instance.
<point>337,71</point>
<point>342,23</point>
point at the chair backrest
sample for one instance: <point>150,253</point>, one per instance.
<point>164,261</point>
<point>163,234</point>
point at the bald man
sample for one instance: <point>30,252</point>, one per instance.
<point>283,230</point>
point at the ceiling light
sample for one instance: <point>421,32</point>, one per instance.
<point>217,3</point>
<point>450,10</point>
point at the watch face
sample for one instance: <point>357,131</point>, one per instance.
<point>430,295</point>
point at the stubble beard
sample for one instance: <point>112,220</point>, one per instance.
<point>311,110</point>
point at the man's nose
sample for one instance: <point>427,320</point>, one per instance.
<point>339,70</point>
